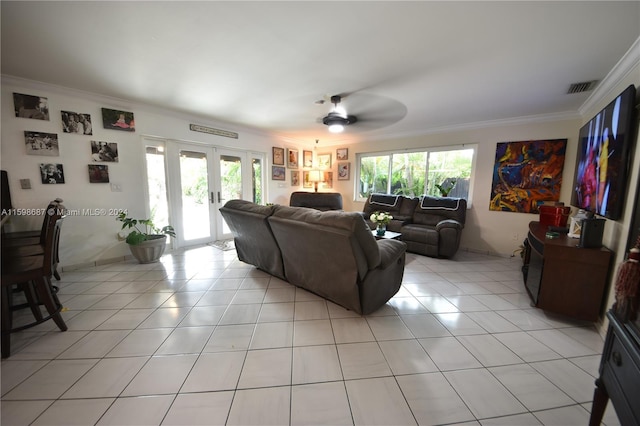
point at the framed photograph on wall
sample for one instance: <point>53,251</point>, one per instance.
<point>295,177</point>
<point>104,151</point>
<point>75,122</point>
<point>278,156</point>
<point>292,158</point>
<point>98,173</point>
<point>328,180</point>
<point>51,173</point>
<point>278,173</point>
<point>306,183</point>
<point>307,159</point>
<point>39,143</point>
<point>324,161</point>
<point>118,120</point>
<point>29,106</point>
<point>342,154</point>
<point>343,171</point>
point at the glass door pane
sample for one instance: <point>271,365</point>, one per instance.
<point>230,175</point>
<point>256,180</point>
<point>194,182</point>
<point>157,185</point>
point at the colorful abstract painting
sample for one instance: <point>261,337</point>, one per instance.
<point>527,173</point>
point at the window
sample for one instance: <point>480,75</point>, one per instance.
<point>436,171</point>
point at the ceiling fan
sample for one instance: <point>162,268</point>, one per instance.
<point>338,118</point>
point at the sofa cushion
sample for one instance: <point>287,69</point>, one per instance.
<point>432,210</point>
<point>386,201</point>
<point>423,234</point>
<point>322,201</point>
<point>254,241</point>
<point>351,222</point>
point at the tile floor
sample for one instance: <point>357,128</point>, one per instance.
<point>203,339</point>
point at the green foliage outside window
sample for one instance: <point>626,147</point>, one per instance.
<point>416,173</point>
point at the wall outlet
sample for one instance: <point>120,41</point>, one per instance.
<point>116,187</point>
<point>514,237</point>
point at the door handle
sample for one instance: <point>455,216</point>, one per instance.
<point>211,199</point>
<point>219,198</point>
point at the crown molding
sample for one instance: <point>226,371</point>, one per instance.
<point>627,64</point>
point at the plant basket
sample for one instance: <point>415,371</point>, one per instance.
<point>150,250</point>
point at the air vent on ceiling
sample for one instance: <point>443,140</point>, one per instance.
<point>584,86</point>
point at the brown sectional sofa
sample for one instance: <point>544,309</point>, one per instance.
<point>332,254</point>
<point>431,226</point>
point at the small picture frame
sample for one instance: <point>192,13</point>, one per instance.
<point>40,143</point>
<point>278,156</point>
<point>343,171</point>
<point>324,161</point>
<point>306,183</point>
<point>328,180</point>
<point>29,106</point>
<point>307,159</point>
<point>98,173</point>
<point>292,158</point>
<point>278,173</point>
<point>342,154</point>
<point>104,151</point>
<point>75,122</point>
<point>295,177</point>
<point>51,173</point>
<point>118,120</point>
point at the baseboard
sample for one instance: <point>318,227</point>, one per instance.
<point>99,262</point>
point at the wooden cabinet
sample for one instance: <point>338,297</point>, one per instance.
<point>619,373</point>
<point>563,278</point>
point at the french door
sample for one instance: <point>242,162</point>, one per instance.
<point>201,179</point>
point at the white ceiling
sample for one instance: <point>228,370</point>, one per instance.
<point>406,67</point>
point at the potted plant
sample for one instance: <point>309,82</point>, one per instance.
<point>146,244</point>
<point>381,219</point>
<point>446,187</point>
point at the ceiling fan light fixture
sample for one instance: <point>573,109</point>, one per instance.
<point>337,121</point>
<point>336,128</point>
<point>338,118</point>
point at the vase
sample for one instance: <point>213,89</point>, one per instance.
<point>381,229</point>
<point>151,250</point>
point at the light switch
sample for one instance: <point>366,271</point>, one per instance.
<point>116,187</point>
<point>25,183</point>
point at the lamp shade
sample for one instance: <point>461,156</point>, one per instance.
<point>315,176</point>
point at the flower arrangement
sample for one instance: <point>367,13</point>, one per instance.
<point>380,218</point>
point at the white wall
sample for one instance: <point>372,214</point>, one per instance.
<point>88,239</point>
<point>487,231</point>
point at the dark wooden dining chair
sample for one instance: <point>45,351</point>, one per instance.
<point>30,237</point>
<point>14,246</point>
<point>31,274</point>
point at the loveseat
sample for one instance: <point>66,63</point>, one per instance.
<point>332,254</point>
<point>322,201</point>
<point>431,226</point>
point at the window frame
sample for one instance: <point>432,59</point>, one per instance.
<point>427,150</point>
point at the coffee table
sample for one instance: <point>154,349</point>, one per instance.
<point>388,235</point>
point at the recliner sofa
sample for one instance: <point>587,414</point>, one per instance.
<point>430,226</point>
<point>322,201</point>
<point>332,254</point>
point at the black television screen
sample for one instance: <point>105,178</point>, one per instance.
<point>604,142</point>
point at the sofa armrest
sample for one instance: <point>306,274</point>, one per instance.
<point>390,252</point>
<point>448,223</point>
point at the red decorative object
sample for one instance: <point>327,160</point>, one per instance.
<point>554,215</point>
